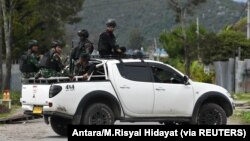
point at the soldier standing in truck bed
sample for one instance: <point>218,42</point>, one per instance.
<point>107,41</point>
<point>84,45</point>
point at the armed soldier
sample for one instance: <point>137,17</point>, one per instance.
<point>84,46</point>
<point>107,41</point>
<point>51,63</point>
<point>29,62</point>
<point>83,67</point>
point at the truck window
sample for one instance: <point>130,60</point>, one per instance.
<point>164,74</point>
<point>135,72</point>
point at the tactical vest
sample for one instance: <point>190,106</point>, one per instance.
<point>48,63</point>
<point>25,66</point>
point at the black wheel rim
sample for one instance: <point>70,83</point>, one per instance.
<point>210,117</point>
<point>100,117</point>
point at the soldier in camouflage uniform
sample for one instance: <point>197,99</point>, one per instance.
<point>29,63</point>
<point>83,67</point>
<point>51,64</point>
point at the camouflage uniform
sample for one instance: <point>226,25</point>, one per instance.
<point>55,60</point>
<point>82,69</point>
<point>33,60</point>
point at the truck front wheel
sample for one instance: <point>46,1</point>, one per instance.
<point>98,114</point>
<point>211,114</point>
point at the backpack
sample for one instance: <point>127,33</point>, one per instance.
<point>44,61</point>
<point>23,61</point>
<point>24,65</point>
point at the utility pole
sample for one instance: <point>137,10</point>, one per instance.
<point>198,38</point>
<point>248,19</point>
<point>158,56</point>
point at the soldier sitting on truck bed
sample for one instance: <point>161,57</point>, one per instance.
<point>29,61</point>
<point>83,67</point>
<point>51,63</point>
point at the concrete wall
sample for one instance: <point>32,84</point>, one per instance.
<point>15,77</point>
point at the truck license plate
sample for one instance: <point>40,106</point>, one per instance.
<point>37,110</point>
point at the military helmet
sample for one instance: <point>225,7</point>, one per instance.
<point>32,43</point>
<point>56,43</point>
<point>83,33</point>
<point>111,23</point>
<point>85,56</point>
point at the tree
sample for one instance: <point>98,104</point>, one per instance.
<point>208,47</point>
<point>42,20</point>
<point>7,8</point>
<point>1,46</point>
<point>174,43</point>
<point>230,41</point>
<point>135,39</point>
<point>181,9</point>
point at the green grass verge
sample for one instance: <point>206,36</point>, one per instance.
<point>242,116</point>
<point>241,96</point>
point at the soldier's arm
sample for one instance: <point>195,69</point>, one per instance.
<point>56,58</point>
<point>92,68</point>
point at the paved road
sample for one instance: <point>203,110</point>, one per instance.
<point>37,130</point>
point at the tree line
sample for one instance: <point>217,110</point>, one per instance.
<point>185,45</point>
<point>21,21</point>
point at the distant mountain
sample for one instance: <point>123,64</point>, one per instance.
<point>151,17</point>
<point>240,0</point>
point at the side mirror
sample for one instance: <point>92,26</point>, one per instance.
<point>185,79</point>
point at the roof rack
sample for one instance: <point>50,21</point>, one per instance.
<point>119,57</point>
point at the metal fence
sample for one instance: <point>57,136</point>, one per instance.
<point>234,75</point>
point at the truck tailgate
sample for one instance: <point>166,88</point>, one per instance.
<point>36,94</point>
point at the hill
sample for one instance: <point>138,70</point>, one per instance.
<point>148,16</point>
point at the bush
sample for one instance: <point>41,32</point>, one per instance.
<point>4,109</point>
<point>198,74</point>
<point>15,97</point>
<point>196,71</point>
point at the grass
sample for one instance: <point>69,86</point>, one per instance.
<point>241,96</point>
<point>243,116</point>
<point>13,110</point>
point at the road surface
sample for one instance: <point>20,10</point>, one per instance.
<point>37,130</point>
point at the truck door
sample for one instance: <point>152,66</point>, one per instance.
<point>172,96</point>
<point>134,86</point>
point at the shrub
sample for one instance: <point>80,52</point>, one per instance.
<point>3,109</point>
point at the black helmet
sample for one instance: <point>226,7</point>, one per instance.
<point>111,23</point>
<point>56,43</point>
<point>83,33</point>
<point>85,56</point>
<point>33,43</point>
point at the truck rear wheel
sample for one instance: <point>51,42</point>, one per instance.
<point>98,114</point>
<point>211,114</point>
<point>59,125</point>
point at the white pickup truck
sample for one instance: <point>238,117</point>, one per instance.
<point>130,90</point>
